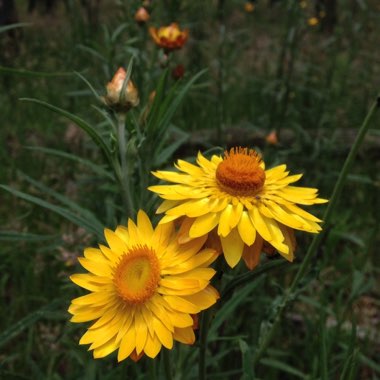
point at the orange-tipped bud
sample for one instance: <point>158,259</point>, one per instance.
<point>142,15</point>
<point>272,138</point>
<point>120,96</point>
<point>169,37</point>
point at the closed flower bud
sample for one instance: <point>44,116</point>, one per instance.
<point>272,138</point>
<point>120,96</point>
<point>142,15</point>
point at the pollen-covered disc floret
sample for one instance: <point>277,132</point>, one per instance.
<point>240,172</point>
<point>144,290</point>
<point>234,198</point>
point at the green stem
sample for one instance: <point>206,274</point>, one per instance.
<point>152,370</point>
<point>205,323</point>
<point>289,295</point>
<point>124,172</point>
<point>167,364</point>
<point>220,78</point>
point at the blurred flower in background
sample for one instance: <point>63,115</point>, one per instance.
<point>142,15</point>
<point>169,37</point>
<point>313,21</point>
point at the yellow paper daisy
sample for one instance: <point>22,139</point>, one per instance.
<point>247,206</point>
<point>144,289</point>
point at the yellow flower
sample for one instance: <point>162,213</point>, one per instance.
<point>313,21</point>
<point>119,96</point>
<point>245,204</point>
<point>169,37</point>
<point>144,289</point>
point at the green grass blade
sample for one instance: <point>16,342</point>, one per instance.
<point>92,132</point>
<point>67,214</point>
<point>6,28</point>
<point>16,236</point>
<point>273,363</point>
<point>28,73</point>
<point>89,85</point>
<point>72,157</point>
<point>246,353</point>
<point>230,306</point>
<point>86,214</point>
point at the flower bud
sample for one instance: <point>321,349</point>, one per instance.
<point>121,96</point>
<point>272,138</point>
<point>142,16</point>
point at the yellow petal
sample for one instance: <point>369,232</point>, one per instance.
<point>246,230</point>
<point>224,221</point>
<point>115,243</point>
<point>141,332</point>
<point>106,349</point>
<point>180,304</point>
<point>259,221</point>
<point>96,299</point>
<point>204,224</point>
<point>184,335</point>
<point>96,268</point>
<point>166,205</point>
<point>127,344</point>
<point>205,298</point>
<point>152,346</point>
<point>144,224</point>
<point>163,334</point>
<point>232,246</point>
<point>88,281</point>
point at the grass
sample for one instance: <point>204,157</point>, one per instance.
<point>314,88</point>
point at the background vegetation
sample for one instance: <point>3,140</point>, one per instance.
<point>267,70</point>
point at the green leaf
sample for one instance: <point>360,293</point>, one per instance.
<point>59,153</point>
<point>67,214</point>
<point>273,363</point>
<point>86,214</point>
<point>22,236</point>
<point>96,137</point>
<point>27,73</point>
<point>230,306</point>
<point>248,372</point>
<point>5,28</point>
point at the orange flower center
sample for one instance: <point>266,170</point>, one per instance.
<point>137,275</point>
<point>240,172</point>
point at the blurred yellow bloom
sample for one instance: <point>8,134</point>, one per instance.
<point>249,7</point>
<point>119,96</point>
<point>144,289</point>
<point>303,4</point>
<point>313,21</point>
<point>169,37</point>
<point>244,203</point>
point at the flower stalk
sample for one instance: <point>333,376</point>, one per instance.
<point>124,174</point>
